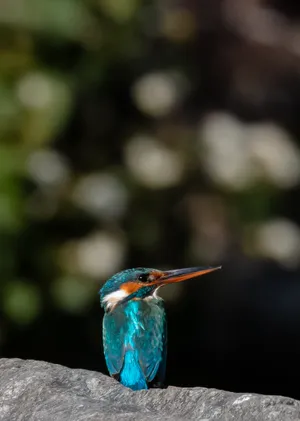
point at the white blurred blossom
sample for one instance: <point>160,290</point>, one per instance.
<point>239,155</point>
<point>225,154</point>
<point>35,90</point>
<point>152,163</point>
<point>100,255</point>
<point>279,158</point>
<point>156,94</point>
<point>279,239</point>
<point>47,101</point>
<point>102,195</point>
<point>48,167</point>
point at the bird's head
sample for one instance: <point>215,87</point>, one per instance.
<point>141,283</point>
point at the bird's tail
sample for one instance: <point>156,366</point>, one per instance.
<point>131,374</point>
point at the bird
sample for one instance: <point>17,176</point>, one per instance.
<point>134,324</point>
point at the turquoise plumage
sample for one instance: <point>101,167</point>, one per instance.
<point>134,324</point>
<point>134,338</point>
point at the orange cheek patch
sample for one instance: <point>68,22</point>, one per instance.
<point>130,287</point>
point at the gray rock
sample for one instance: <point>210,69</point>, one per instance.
<point>39,391</point>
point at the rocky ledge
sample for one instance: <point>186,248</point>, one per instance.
<point>39,391</point>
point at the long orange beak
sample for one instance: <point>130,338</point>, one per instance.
<point>179,275</point>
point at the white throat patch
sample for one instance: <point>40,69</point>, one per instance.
<point>153,295</point>
<point>114,297</point>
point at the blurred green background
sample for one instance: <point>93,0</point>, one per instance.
<point>159,133</point>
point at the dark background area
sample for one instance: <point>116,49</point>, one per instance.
<point>159,134</point>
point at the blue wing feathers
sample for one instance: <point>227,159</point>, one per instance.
<point>134,338</point>
<point>131,374</point>
<point>113,334</point>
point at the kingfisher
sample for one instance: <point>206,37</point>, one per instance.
<point>134,324</point>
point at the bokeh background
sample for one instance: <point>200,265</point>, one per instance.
<point>161,133</point>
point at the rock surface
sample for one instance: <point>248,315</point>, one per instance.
<point>39,391</point>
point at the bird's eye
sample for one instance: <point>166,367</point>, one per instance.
<point>143,278</point>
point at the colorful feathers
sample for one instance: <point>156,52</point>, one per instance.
<point>134,337</point>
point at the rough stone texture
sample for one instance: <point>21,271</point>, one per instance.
<point>39,391</point>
